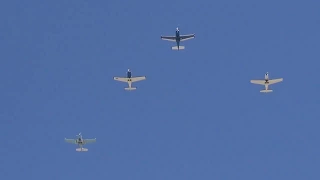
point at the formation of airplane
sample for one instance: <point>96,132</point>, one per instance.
<point>80,142</point>
<point>178,38</point>
<point>266,82</point>
<point>129,79</point>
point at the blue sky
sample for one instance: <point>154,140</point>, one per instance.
<point>195,117</point>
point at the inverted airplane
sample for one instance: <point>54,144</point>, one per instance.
<point>80,142</point>
<point>129,79</point>
<point>266,82</point>
<point>178,38</point>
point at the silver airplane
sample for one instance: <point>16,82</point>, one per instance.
<point>80,142</point>
<point>129,79</point>
<point>178,38</point>
<point>266,82</point>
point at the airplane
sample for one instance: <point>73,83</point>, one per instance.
<point>80,142</point>
<point>178,38</point>
<point>129,79</point>
<point>266,82</point>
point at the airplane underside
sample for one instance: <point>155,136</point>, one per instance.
<point>130,88</point>
<point>178,38</point>
<point>266,90</point>
<point>81,149</point>
<point>178,47</point>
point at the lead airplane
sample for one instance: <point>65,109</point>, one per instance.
<point>266,82</point>
<point>178,38</point>
<point>129,79</point>
<point>80,142</point>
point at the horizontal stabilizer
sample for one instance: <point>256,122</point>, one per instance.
<point>130,89</point>
<point>82,149</point>
<point>266,91</point>
<point>176,48</point>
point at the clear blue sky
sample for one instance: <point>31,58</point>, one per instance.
<point>196,117</point>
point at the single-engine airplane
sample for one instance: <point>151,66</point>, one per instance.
<point>178,38</point>
<point>80,142</point>
<point>266,82</point>
<point>129,79</point>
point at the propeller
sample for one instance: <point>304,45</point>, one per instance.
<point>178,27</point>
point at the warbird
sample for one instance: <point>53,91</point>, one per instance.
<point>266,82</point>
<point>178,38</point>
<point>80,142</point>
<point>129,79</point>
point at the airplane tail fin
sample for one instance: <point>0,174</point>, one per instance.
<point>266,91</point>
<point>81,149</point>
<point>176,48</point>
<point>130,88</point>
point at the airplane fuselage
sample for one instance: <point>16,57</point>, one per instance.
<point>79,141</point>
<point>178,37</point>
<point>129,74</point>
<point>266,78</point>
<point>129,78</point>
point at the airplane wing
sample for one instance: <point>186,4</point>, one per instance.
<point>122,79</point>
<point>72,141</point>
<point>135,79</point>
<point>261,82</point>
<point>186,37</point>
<point>273,81</point>
<point>168,38</point>
<point>86,141</point>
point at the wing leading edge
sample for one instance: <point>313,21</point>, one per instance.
<point>270,81</point>
<point>261,82</point>
<point>121,79</point>
<point>86,141</point>
<point>133,79</point>
<point>72,141</point>
<point>273,81</point>
<point>187,37</point>
<point>168,38</point>
<point>140,78</point>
